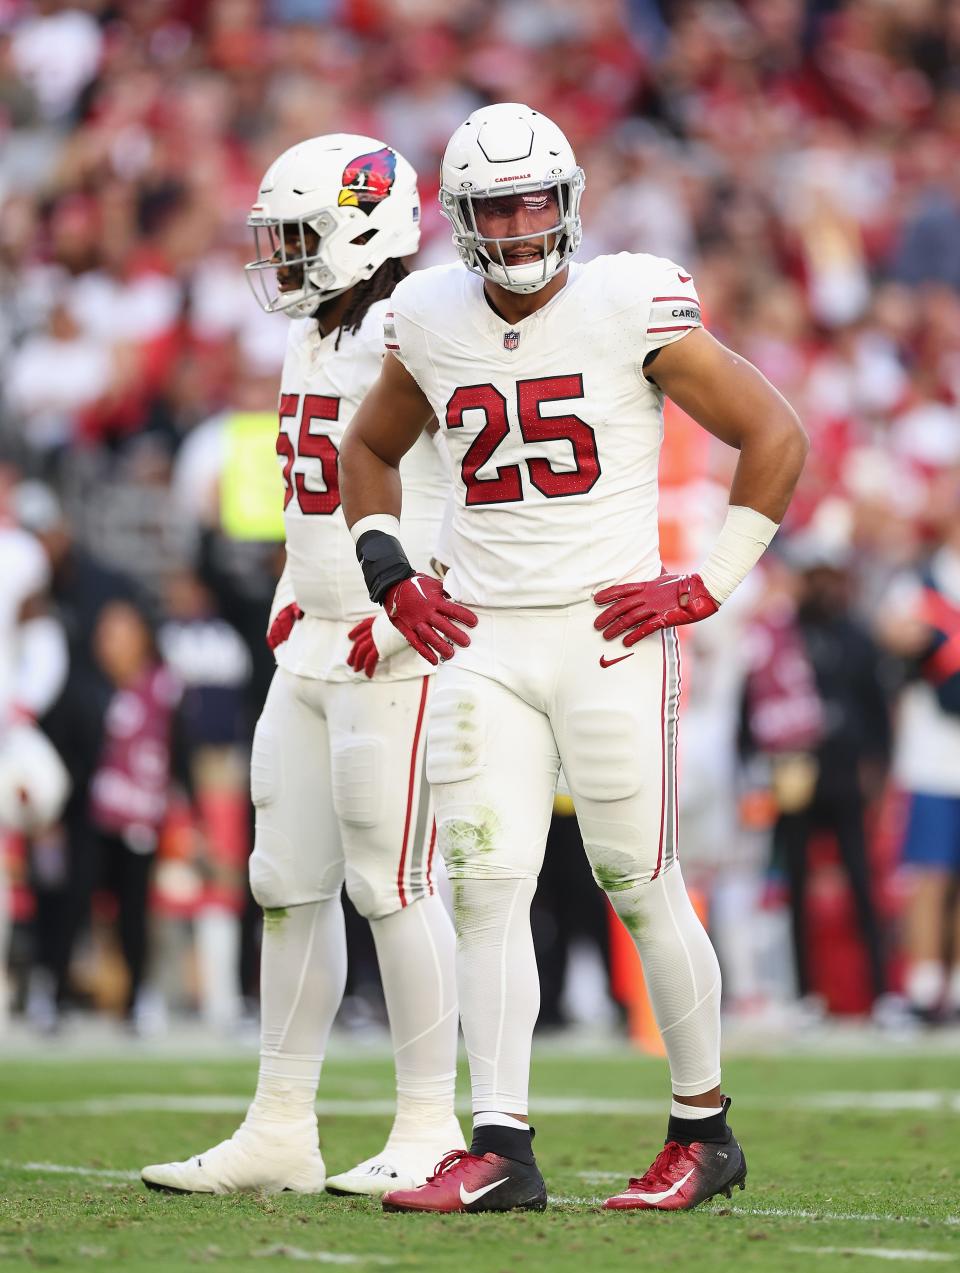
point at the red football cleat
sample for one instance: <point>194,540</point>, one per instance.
<point>683,1176</point>
<point>465,1182</point>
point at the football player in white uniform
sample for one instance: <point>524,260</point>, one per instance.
<point>549,378</point>
<point>337,772</point>
<point>34,784</point>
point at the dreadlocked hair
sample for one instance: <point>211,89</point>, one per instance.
<point>377,287</point>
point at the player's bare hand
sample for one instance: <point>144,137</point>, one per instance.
<point>638,609</point>
<point>364,655</point>
<point>282,625</point>
<point>425,615</point>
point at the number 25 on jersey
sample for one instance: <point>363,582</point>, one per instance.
<point>505,486</point>
<point>311,446</point>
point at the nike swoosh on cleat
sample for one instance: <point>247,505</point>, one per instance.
<point>667,1193</point>
<point>471,1195</point>
<point>605,662</point>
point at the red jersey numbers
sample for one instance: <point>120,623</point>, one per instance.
<point>504,486</point>
<point>309,445</point>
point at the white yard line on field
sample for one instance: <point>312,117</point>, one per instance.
<point>320,1257</point>
<point>947,1102</point>
<point>61,1169</point>
<point>796,1213</point>
<point>876,1252</point>
<point>776,1213</point>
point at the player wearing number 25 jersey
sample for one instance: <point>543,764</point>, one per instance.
<point>555,622</point>
<point>556,441</point>
<point>338,755</point>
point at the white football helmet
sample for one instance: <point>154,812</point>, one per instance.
<point>34,783</point>
<point>510,149</point>
<point>359,196</point>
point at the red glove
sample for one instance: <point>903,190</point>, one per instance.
<point>641,608</point>
<point>282,625</point>
<point>364,655</point>
<point>421,611</point>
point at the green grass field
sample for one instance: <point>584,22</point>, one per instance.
<point>853,1161</point>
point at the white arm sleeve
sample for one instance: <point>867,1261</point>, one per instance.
<point>386,637</point>
<point>42,663</point>
<point>741,543</point>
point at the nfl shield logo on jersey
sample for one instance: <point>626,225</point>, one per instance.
<point>511,340</point>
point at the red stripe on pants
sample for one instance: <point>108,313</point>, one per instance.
<point>410,790</point>
<point>433,845</point>
<point>663,756</point>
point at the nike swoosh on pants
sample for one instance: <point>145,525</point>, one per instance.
<point>605,662</point>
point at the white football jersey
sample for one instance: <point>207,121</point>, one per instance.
<point>553,430</point>
<point>320,389</point>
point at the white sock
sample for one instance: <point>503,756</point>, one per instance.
<point>679,1110</point>
<point>925,983</point>
<point>682,975</point>
<point>499,988</point>
<point>416,952</point>
<point>303,971</point>
<point>491,1119</point>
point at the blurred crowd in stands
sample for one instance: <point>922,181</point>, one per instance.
<point>801,160</point>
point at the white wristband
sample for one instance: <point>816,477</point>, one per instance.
<point>740,545</point>
<point>386,637</point>
<point>376,521</point>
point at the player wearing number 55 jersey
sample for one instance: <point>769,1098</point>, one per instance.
<point>548,377</point>
<point>338,754</point>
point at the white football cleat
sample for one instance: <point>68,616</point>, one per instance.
<point>265,1156</point>
<point>402,1164</point>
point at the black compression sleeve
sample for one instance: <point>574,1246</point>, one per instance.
<point>383,561</point>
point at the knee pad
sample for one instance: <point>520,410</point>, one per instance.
<point>374,896</point>
<point>265,773</point>
<point>287,866</point>
<point>603,755</point>
<point>358,782</point>
<point>617,870</point>
<point>455,735</point>
<point>465,837</point>
<point>270,847</point>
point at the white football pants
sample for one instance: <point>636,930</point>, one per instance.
<point>337,778</point>
<point>534,689</point>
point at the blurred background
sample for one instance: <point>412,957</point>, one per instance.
<point>802,160</point>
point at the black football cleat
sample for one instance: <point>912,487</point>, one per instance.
<point>683,1176</point>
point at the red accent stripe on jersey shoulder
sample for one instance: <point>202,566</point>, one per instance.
<point>684,327</point>
<point>692,300</point>
<point>391,346</point>
<point>411,786</point>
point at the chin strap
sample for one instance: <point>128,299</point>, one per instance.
<point>505,275</point>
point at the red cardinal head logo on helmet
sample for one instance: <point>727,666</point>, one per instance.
<point>367,179</point>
